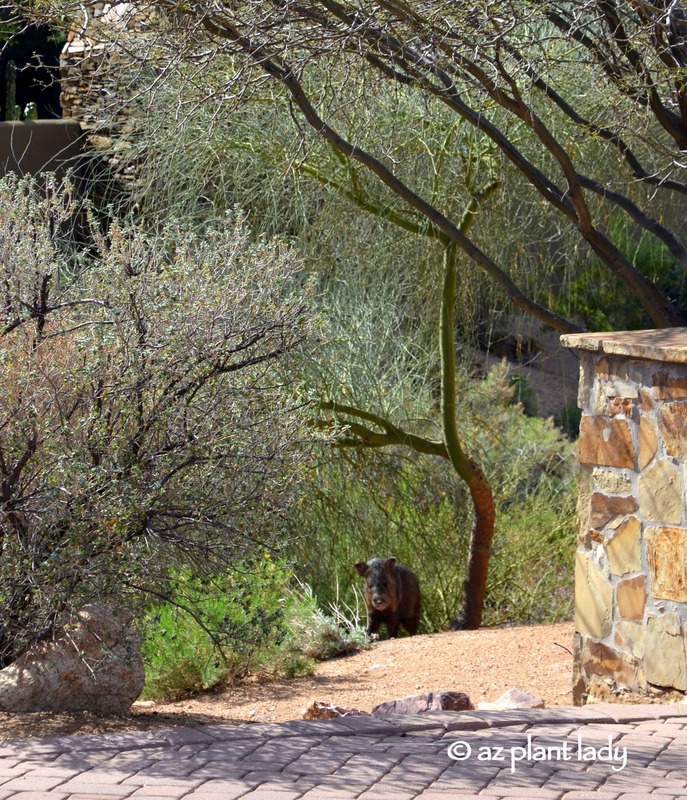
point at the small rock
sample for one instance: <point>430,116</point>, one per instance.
<point>513,699</point>
<point>429,701</point>
<point>320,710</point>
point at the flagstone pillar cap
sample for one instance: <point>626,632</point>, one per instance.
<point>668,344</point>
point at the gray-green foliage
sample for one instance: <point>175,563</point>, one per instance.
<point>145,424</point>
<point>216,152</point>
<point>580,107</point>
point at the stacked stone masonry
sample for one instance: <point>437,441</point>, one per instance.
<point>631,556</point>
<point>95,64</point>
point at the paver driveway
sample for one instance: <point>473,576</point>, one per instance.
<point>604,751</point>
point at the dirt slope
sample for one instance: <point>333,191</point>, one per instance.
<point>483,663</point>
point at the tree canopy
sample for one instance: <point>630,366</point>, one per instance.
<point>585,101</point>
<point>581,108</point>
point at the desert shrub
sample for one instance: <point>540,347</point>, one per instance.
<point>144,424</point>
<point>214,629</point>
<point>252,619</point>
<point>323,634</point>
<point>531,575</point>
<point>524,394</point>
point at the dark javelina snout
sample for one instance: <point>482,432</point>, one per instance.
<point>392,596</point>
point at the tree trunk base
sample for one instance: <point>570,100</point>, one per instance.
<point>469,618</point>
<point>465,620</point>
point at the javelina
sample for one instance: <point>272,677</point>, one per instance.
<point>392,596</point>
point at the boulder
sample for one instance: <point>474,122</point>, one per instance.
<point>429,701</point>
<point>512,699</point>
<point>91,663</point>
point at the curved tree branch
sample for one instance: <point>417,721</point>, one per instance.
<point>278,69</point>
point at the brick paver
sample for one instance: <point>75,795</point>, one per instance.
<point>602,752</point>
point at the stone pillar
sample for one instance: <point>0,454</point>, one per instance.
<point>97,71</point>
<point>631,559</point>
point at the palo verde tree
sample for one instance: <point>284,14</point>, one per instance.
<point>585,102</point>
<point>145,427</point>
<point>491,64</point>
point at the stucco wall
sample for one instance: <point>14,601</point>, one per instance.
<point>39,146</point>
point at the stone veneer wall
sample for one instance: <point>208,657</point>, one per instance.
<point>631,559</point>
<point>95,62</point>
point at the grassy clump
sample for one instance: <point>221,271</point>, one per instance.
<point>320,635</point>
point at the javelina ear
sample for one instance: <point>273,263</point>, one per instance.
<point>362,568</point>
<point>390,563</point>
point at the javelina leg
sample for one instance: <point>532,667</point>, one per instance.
<point>392,627</point>
<point>411,625</point>
<point>372,626</point>
<point>411,621</point>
